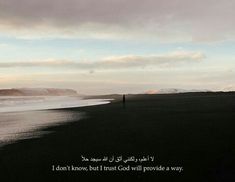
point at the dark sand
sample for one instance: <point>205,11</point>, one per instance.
<point>194,130</point>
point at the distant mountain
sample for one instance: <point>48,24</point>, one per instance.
<point>37,92</point>
<point>173,90</point>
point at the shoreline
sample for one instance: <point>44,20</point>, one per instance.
<point>192,130</point>
<point>28,103</point>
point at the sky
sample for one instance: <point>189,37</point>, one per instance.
<point>117,46</point>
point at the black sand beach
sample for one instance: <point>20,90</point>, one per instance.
<point>193,130</point>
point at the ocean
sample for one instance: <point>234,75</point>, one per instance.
<point>25,117</point>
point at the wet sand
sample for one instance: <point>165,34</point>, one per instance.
<point>192,130</point>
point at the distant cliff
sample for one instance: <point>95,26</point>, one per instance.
<point>37,92</point>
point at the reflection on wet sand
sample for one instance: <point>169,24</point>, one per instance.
<point>21,125</point>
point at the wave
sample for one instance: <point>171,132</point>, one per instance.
<point>28,103</point>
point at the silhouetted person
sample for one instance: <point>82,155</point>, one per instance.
<point>124,100</point>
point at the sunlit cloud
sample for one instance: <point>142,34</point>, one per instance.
<point>115,62</point>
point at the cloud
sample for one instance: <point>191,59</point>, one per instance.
<point>115,62</point>
<point>173,58</point>
<point>47,63</point>
<point>229,87</point>
<point>2,45</point>
<point>201,20</point>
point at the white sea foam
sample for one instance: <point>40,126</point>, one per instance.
<point>28,103</point>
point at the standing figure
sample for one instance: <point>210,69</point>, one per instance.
<point>124,100</point>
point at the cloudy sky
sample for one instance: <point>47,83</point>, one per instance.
<point>117,46</point>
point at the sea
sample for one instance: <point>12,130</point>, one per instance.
<point>24,117</point>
